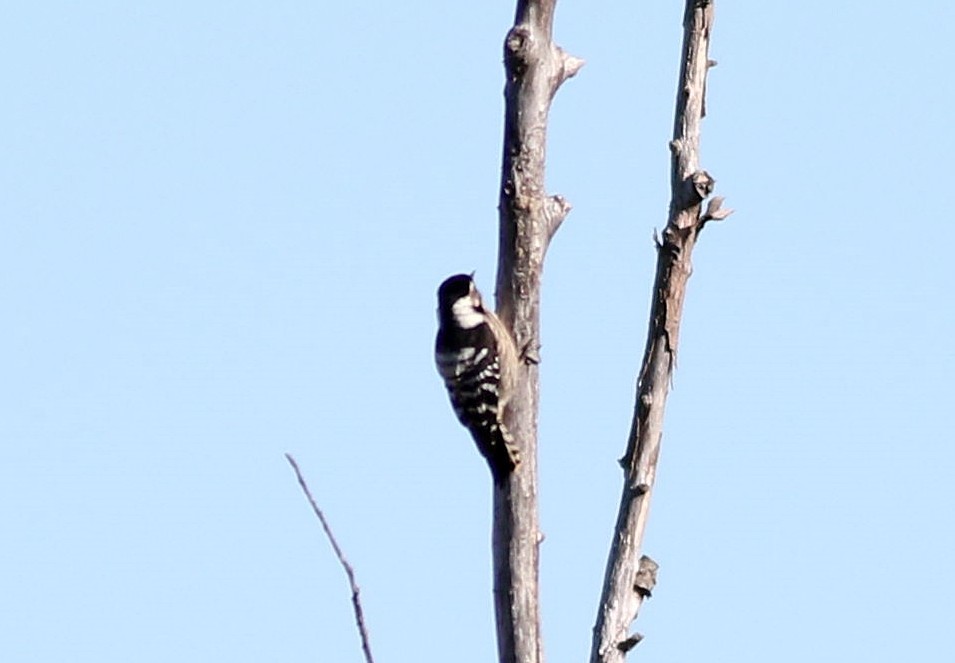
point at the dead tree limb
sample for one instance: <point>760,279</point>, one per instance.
<point>534,68</point>
<point>349,571</point>
<point>629,577</point>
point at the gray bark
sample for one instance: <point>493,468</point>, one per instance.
<point>534,68</point>
<point>629,577</point>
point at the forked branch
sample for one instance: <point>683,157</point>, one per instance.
<point>629,577</point>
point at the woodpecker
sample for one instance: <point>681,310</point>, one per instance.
<point>476,357</point>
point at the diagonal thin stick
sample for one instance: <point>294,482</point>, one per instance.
<point>355,600</point>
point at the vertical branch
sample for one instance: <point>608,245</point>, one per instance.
<point>534,69</point>
<point>628,579</point>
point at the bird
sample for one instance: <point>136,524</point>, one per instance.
<point>477,359</point>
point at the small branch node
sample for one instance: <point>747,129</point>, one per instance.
<point>556,209</point>
<point>703,184</point>
<point>569,64</point>
<point>640,488</point>
<point>517,42</point>
<point>631,642</point>
<point>646,578</point>
<point>530,353</point>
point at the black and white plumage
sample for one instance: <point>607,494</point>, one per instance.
<point>477,359</point>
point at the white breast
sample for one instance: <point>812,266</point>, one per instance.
<point>465,314</point>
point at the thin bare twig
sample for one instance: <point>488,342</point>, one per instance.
<point>355,599</point>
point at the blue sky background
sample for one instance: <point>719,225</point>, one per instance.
<point>221,230</point>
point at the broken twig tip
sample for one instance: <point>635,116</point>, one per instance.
<point>630,643</point>
<point>556,210</point>
<point>715,211</point>
<point>571,64</point>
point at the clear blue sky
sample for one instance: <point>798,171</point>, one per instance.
<point>221,229</point>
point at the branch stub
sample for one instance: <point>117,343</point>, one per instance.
<point>631,642</point>
<point>646,578</point>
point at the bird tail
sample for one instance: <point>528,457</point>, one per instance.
<point>501,452</point>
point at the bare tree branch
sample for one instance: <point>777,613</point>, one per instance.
<point>629,581</point>
<point>534,69</point>
<point>355,599</point>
